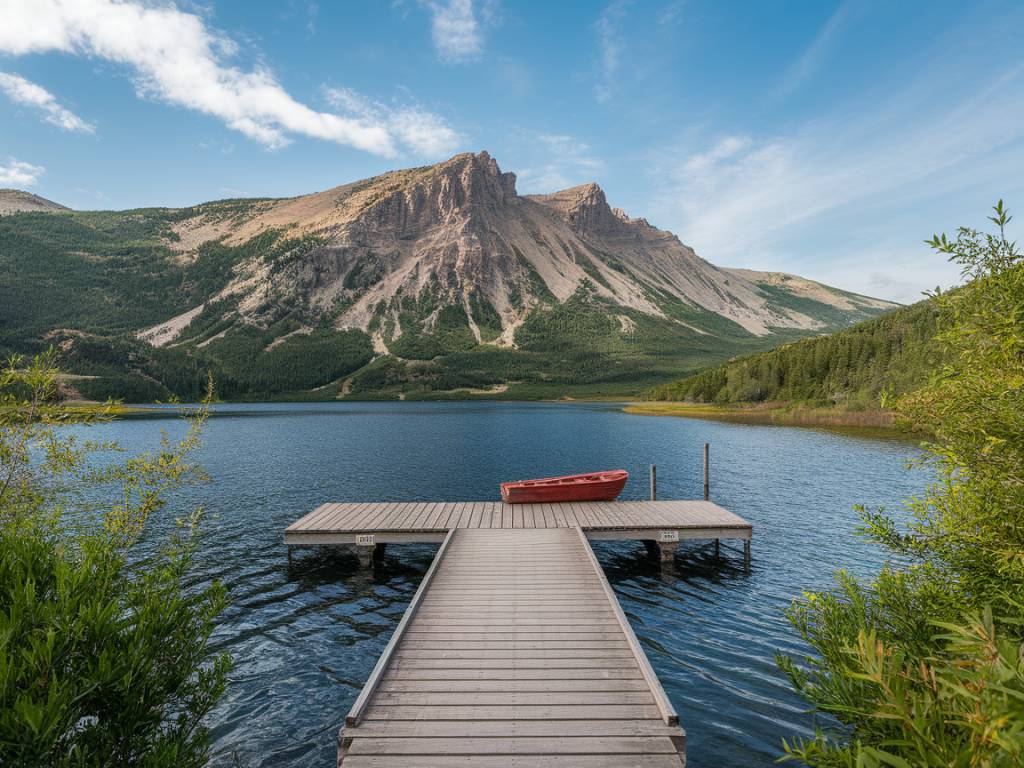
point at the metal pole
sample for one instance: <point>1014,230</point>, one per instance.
<point>706,487</point>
<point>654,482</point>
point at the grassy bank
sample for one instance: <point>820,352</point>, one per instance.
<point>869,421</point>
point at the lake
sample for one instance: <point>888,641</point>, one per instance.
<point>305,637</point>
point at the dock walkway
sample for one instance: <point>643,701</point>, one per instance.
<point>514,652</point>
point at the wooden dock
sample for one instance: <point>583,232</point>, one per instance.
<point>663,522</point>
<point>514,651</point>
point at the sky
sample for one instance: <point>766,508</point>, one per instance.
<point>826,139</point>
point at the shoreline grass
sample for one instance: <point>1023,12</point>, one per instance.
<point>866,422</point>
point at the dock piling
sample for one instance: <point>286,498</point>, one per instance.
<point>654,482</point>
<point>365,553</point>
<point>706,485</point>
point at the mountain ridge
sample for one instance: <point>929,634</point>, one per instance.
<point>475,238</point>
<point>422,281</point>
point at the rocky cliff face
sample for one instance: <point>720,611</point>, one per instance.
<point>395,254</point>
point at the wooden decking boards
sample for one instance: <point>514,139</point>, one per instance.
<point>429,521</point>
<point>514,652</point>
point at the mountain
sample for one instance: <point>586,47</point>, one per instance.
<point>19,201</point>
<point>431,281</point>
<point>853,368</point>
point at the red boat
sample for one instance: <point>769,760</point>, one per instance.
<point>597,486</point>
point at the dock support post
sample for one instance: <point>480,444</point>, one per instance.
<point>365,553</point>
<point>667,551</point>
<point>718,548</point>
<point>706,486</point>
<point>746,555</point>
<point>654,482</point>
<point>288,547</point>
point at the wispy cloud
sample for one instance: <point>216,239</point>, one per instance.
<point>23,91</point>
<point>671,14</point>
<point>424,133</point>
<point>175,57</point>
<point>814,56</point>
<point>15,173</point>
<point>610,45</point>
<point>752,200</point>
<point>456,30</point>
<point>560,161</point>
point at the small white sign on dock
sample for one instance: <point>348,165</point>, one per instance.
<point>668,536</point>
<point>365,540</point>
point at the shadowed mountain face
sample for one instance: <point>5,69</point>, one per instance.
<point>447,277</point>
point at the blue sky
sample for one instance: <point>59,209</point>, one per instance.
<point>826,139</point>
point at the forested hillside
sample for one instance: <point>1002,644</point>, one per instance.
<point>892,353</point>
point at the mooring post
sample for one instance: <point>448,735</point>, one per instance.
<point>707,489</point>
<point>746,555</point>
<point>654,482</point>
<point>706,485</point>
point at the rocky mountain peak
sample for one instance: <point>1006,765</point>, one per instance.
<point>476,178</point>
<point>585,208</point>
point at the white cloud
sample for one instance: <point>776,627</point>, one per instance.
<point>815,54</point>
<point>175,57</point>
<point>455,30</point>
<point>25,92</point>
<point>15,173</point>
<point>761,201</point>
<point>425,133</point>
<point>610,47</point>
<point>561,161</point>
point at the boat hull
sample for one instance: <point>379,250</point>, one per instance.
<point>596,486</point>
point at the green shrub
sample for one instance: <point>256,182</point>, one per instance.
<point>924,664</point>
<point>104,656</point>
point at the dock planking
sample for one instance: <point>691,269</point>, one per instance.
<point>408,522</point>
<point>514,651</point>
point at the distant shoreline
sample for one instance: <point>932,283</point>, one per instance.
<point>864,422</point>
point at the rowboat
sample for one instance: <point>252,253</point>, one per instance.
<point>596,486</point>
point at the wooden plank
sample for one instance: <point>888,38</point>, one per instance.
<point>512,655</point>
<point>522,745</point>
<point>515,761</point>
<point>546,685</point>
<point>515,712</point>
<point>508,698</point>
<point>413,672</point>
<point>356,713</point>
<point>505,728</point>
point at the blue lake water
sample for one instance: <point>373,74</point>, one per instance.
<point>305,637</point>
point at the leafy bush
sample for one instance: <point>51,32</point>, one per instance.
<point>925,664</point>
<point>104,659</point>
